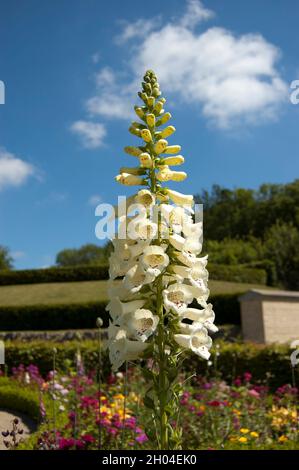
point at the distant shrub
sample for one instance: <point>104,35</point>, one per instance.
<point>38,276</point>
<point>268,364</point>
<point>237,273</point>
<point>84,315</point>
<point>52,317</point>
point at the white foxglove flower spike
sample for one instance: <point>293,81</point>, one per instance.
<point>155,270</point>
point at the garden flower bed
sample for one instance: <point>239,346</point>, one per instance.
<point>75,412</point>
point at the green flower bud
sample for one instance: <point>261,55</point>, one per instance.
<point>135,151</point>
<point>146,135</point>
<point>134,131</point>
<point>143,96</point>
<point>167,131</point>
<point>139,111</point>
<point>156,92</point>
<point>148,88</point>
<point>160,146</point>
<point>151,120</point>
<point>164,119</point>
<point>132,171</point>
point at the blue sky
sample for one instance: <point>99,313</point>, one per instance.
<point>71,71</point>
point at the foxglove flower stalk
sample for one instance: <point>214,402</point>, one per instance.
<point>159,268</point>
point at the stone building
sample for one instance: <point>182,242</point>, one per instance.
<point>270,316</point>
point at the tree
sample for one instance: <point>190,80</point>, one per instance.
<point>281,246</point>
<point>87,254</point>
<point>5,258</point>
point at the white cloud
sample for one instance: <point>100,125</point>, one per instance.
<point>195,13</point>
<point>113,98</point>
<point>90,133</point>
<point>232,79</point>
<point>138,29</point>
<point>13,170</point>
<point>94,200</point>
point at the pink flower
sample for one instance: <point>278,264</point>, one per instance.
<point>141,438</point>
<point>247,376</point>
<point>253,393</point>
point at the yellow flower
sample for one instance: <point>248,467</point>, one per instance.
<point>151,120</point>
<point>129,180</point>
<point>254,434</point>
<point>161,146</point>
<point>151,101</point>
<point>163,119</point>
<point>119,396</point>
<point>243,440</point>
<point>178,160</point>
<point>165,174</point>
<point>237,412</point>
<point>145,160</point>
<point>146,135</point>
<point>282,438</point>
<point>167,131</point>
<point>179,198</point>
<point>139,111</point>
<point>244,430</point>
<point>173,149</point>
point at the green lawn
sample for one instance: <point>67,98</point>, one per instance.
<point>88,291</point>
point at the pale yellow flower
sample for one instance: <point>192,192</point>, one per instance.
<point>244,430</point>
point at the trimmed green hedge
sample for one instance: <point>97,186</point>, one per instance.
<point>38,276</point>
<point>270,364</point>
<point>52,317</point>
<point>14,397</point>
<point>83,316</point>
<point>237,273</point>
<point>220,272</point>
<point>40,353</point>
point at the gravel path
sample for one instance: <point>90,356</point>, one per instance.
<point>6,418</point>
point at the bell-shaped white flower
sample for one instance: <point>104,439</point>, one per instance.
<point>179,198</point>
<point>197,341</point>
<point>136,278</point>
<point>191,229</point>
<point>145,198</point>
<point>142,229</point>
<point>117,289</point>
<point>130,180</point>
<point>121,349</point>
<point>205,317</point>
<point>119,265</point>
<point>175,216</point>
<point>116,308</point>
<point>154,260</point>
<point>177,160</point>
<point>177,296</point>
<point>165,174</point>
<point>145,160</point>
<point>140,324</point>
